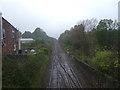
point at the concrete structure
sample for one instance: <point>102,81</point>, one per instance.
<point>10,38</point>
<point>119,11</point>
<point>26,40</point>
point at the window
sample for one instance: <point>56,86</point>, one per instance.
<point>14,47</point>
<point>13,33</point>
<point>3,44</point>
<point>4,33</point>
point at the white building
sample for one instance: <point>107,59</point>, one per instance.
<point>26,40</point>
<point>119,11</point>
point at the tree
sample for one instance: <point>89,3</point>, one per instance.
<point>27,34</point>
<point>39,33</point>
<point>106,33</point>
<point>89,24</point>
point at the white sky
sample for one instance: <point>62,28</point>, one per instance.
<point>55,16</point>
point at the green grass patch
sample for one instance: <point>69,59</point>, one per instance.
<point>24,72</point>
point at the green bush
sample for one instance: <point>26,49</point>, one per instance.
<point>107,62</point>
<point>21,72</point>
<point>102,59</point>
<point>43,51</point>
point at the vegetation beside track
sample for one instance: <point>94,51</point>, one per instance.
<point>95,44</point>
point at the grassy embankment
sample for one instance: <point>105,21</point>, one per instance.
<point>98,47</point>
<point>26,71</point>
<point>105,61</point>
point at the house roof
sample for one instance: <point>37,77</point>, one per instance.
<point>9,23</point>
<point>25,39</point>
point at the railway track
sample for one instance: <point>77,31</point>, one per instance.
<point>62,75</point>
<point>65,73</point>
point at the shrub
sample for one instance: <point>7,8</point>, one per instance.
<point>106,61</point>
<point>101,60</point>
<point>21,72</point>
<point>43,51</point>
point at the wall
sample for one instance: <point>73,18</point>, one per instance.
<point>10,38</point>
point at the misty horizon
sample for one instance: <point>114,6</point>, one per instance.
<point>54,17</point>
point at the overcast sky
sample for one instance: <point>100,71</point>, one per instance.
<point>55,16</point>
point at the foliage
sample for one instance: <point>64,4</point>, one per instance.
<point>21,72</point>
<point>106,61</point>
<point>106,34</point>
<point>101,59</point>
<point>89,24</point>
<point>28,71</point>
<point>97,45</point>
<point>43,51</point>
<point>27,34</point>
<point>38,33</point>
<point>41,40</point>
<point>38,45</point>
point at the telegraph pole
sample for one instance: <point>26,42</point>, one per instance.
<point>1,50</point>
<point>119,11</point>
<point>1,32</point>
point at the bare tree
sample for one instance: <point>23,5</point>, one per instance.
<point>89,24</point>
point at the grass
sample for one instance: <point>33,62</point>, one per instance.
<point>24,72</point>
<point>38,82</point>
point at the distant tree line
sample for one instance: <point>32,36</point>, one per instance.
<point>38,33</point>
<point>41,40</point>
